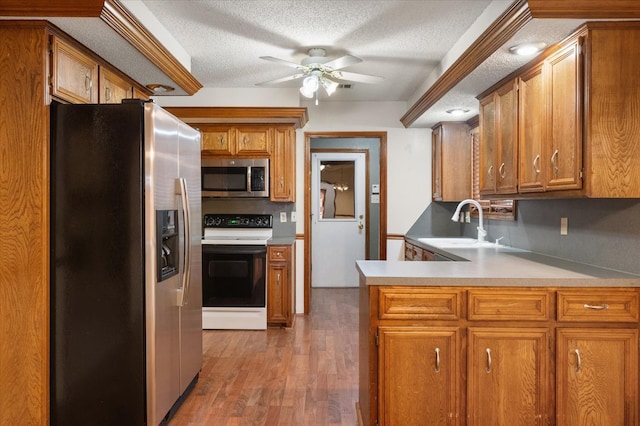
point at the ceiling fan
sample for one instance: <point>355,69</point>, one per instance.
<point>317,70</point>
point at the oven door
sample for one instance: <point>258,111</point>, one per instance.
<point>233,276</point>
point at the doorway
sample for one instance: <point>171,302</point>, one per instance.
<point>339,220</point>
<point>374,144</point>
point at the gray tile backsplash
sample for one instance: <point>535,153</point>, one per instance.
<point>255,206</point>
<point>601,232</point>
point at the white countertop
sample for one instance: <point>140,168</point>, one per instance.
<point>493,266</point>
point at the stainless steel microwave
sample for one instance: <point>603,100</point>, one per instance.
<point>239,177</point>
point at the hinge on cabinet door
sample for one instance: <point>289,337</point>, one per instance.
<point>377,340</point>
<point>581,173</point>
<point>549,342</point>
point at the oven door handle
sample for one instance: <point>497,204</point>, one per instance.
<point>183,291</point>
<point>233,249</point>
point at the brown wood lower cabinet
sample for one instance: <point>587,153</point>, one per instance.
<point>419,375</point>
<point>498,356</point>
<point>280,290</point>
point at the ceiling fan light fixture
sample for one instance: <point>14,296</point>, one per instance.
<point>311,83</point>
<point>329,86</point>
<point>306,92</point>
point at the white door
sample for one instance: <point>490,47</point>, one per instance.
<point>338,227</point>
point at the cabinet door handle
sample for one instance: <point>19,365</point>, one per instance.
<point>488,369</point>
<point>281,182</point>
<point>490,172</point>
<point>536,162</point>
<point>501,171</point>
<point>554,162</point>
<point>596,307</point>
<point>278,279</point>
<point>578,361</point>
<point>437,369</point>
<point>245,141</point>
<point>87,82</point>
<point>107,94</point>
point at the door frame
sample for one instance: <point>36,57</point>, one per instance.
<point>382,229</point>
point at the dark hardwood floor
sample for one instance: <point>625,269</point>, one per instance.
<point>307,375</point>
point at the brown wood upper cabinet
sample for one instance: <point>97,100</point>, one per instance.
<point>79,77</point>
<point>498,143</point>
<point>113,88</point>
<point>550,117</point>
<point>276,142</point>
<point>242,141</point>
<point>74,74</point>
<point>451,145</point>
<point>576,131</point>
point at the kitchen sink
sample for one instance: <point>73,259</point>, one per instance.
<point>456,243</point>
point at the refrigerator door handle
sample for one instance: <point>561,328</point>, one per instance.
<point>181,189</point>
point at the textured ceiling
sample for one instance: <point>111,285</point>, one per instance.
<point>401,41</point>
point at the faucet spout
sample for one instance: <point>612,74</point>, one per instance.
<point>481,232</point>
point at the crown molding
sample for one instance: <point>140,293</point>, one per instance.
<point>122,22</point>
<point>593,9</point>
<point>298,117</point>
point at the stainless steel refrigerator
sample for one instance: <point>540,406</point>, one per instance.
<point>126,277</point>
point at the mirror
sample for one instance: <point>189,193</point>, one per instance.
<point>337,199</point>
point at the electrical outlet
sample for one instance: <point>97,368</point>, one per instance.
<point>283,217</point>
<point>564,226</point>
<point>294,216</point>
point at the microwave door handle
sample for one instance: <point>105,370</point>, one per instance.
<point>183,292</point>
<point>249,188</point>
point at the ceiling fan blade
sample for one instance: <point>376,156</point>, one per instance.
<point>342,62</point>
<point>360,78</point>
<point>281,80</point>
<point>282,61</point>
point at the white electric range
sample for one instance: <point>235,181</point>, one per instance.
<point>234,270</point>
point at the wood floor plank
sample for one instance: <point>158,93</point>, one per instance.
<point>307,375</point>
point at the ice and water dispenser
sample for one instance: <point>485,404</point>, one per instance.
<point>167,243</point>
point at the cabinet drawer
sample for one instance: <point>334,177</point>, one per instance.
<point>278,253</point>
<point>419,303</point>
<point>509,305</point>
<point>604,305</point>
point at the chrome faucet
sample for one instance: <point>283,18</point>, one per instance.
<point>481,232</point>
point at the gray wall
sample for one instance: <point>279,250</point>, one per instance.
<point>601,232</point>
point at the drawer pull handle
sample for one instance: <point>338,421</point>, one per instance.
<point>221,137</point>
<point>579,361</point>
<point>437,369</point>
<point>488,369</point>
<point>596,307</point>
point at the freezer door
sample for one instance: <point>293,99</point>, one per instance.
<point>191,308</point>
<point>162,305</point>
